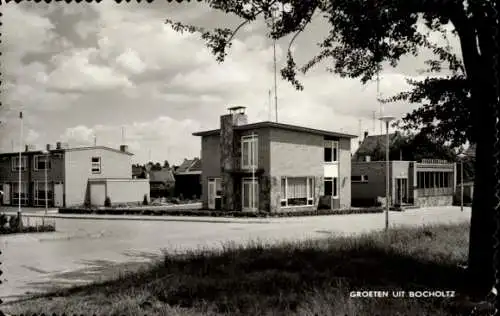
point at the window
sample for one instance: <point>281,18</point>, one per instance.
<point>218,187</point>
<point>331,150</point>
<point>250,194</point>
<point>41,162</point>
<point>96,164</point>
<point>331,187</point>
<point>361,178</point>
<point>297,191</point>
<point>15,163</point>
<point>430,179</point>
<point>39,188</point>
<point>249,152</point>
<point>446,179</point>
<point>22,192</point>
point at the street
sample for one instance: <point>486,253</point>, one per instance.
<point>31,262</point>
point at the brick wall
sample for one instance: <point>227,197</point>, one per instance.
<point>210,163</point>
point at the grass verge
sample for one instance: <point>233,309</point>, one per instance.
<point>306,278</point>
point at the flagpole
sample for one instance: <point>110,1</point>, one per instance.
<point>19,168</point>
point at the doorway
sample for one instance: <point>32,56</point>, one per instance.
<point>401,191</point>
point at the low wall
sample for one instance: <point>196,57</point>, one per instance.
<point>426,201</point>
<point>127,190</point>
<point>118,190</point>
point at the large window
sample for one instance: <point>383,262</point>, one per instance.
<point>297,191</point>
<point>39,188</point>
<point>331,187</point>
<point>15,163</point>
<point>249,152</point>
<point>433,179</point>
<point>331,150</point>
<point>23,192</point>
<point>250,194</point>
<point>96,164</point>
<point>41,162</point>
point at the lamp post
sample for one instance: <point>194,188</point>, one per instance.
<point>387,120</point>
<point>461,158</point>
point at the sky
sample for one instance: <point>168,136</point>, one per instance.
<point>116,72</point>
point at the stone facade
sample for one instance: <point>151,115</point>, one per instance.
<point>227,163</point>
<point>429,201</point>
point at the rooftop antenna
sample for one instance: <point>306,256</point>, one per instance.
<point>95,140</point>
<point>123,135</point>
<point>275,78</point>
<point>270,102</point>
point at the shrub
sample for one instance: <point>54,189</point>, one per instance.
<point>145,200</point>
<point>14,221</point>
<point>107,202</point>
<point>3,220</point>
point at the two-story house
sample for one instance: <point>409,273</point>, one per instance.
<point>71,176</point>
<point>273,167</point>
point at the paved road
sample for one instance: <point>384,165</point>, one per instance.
<point>32,261</point>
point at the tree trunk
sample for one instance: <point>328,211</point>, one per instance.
<point>483,220</point>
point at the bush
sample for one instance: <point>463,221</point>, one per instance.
<point>3,220</point>
<point>145,200</point>
<point>107,202</point>
<point>14,221</point>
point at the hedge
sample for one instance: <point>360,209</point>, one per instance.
<point>216,213</point>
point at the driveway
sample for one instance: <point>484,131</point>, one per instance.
<point>83,249</point>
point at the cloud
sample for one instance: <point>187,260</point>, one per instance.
<point>130,62</point>
<point>76,72</point>
<point>163,137</point>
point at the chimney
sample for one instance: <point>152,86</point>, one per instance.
<point>27,148</point>
<point>124,148</point>
<point>366,135</point>
<point>58,145</point>
<point>236,117</point>
<point>48,147</point>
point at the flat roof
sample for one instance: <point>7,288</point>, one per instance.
<point>289,127</point>
<point>39,152</point>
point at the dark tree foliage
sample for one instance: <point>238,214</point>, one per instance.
<point>445,109</point>
<point>415,147</point>
<point>366,33</point>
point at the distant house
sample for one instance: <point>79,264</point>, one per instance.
<point>74,176</point>
<point>188,178</point>
<point>138,172</point>
<point>161,182</point>
<point>374,145</point>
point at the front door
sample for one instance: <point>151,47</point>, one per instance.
<point>58,195</point>
<point>6,194</point>
<point>401,190</point>
<point>250,195</point>
<point>212,188</point>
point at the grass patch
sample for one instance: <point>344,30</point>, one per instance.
<point>313,277</point>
